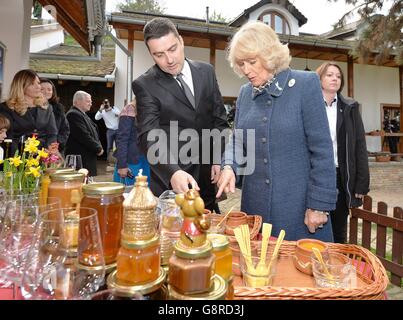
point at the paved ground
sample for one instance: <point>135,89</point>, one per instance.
<point>393,197</point>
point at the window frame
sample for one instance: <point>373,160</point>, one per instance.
<point>273,14</point>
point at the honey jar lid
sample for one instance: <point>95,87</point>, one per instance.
<point>140,244</point>
<point>203,251</point>
<point>218,291</point>
<point>219,241</point>
<point>128,291</point>
<point>103,188</point>
<point>66,176</point>
<point>58,170</point>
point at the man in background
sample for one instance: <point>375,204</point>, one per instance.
<point>83,138</point>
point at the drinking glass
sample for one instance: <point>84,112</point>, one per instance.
<point>73,161</point>
<point>66,260</point>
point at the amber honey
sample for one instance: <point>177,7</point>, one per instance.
<point>223,255</point>
<point>107,198</point>
<point>310,245</point>
<point>138,263</point>
<point>62,184</point>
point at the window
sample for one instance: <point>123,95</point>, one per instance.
<point>276,21</point>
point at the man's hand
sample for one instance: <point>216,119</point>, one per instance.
<point>226,182</point>
<point>180,181</point>
<point>314,219</point>
<point>102,107</point>
<point>215,173</point>
<point>100,153</point>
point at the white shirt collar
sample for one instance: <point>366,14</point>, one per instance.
<point>333,104</point>
<point>187,75</point>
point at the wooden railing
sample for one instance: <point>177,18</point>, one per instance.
<point>385,224</point>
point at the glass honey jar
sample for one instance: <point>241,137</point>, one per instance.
<point>218,291</point>
<point>107,198</point>
<point>223,255</point>
<point>138,262</point>
<point>154,290</point>
<point>191,269</point>
<point>45,181</point>
<point>62,184</point>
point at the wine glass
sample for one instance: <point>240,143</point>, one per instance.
<point>73,161</point>
<point>17,230</point>
<point>66,260</point>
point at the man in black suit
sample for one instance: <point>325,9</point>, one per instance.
<point>83,138</point>
<point>176,99</point>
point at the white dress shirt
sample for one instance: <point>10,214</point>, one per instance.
<point>332,119</point>
<point>111,117</point>
<point>187,76</point>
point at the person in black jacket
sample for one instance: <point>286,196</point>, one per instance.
<point>349,147</point>
<point>62,125</point>
<point>83,138</point>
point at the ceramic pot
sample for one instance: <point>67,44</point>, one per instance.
<point>303,253</point>
<point>235,219</point>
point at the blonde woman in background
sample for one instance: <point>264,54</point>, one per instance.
<point>28,112</point>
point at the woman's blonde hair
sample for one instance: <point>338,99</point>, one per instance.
<point>16,98</point>
<point>257,39</point>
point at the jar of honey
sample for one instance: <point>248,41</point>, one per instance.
<point>223,255</point>
<point>217,291</point>
<point>153,290</point>
<point>191,269</point>
<point>107,198</point>
<point>45,181</point>
<point>138,262</point>
<point>61,185</point>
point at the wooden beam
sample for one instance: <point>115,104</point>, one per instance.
<point>350,76</point>
<point>212,52</point>
<point>401,106</point>
<point>130,41</point>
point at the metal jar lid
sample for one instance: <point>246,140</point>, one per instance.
<point>67,176</point>
<point>140,244</point>
<point>203,251</point>
<point>103,188</point>
<point>219,241</point>
<point>217,291</point>
<point>144,289</point>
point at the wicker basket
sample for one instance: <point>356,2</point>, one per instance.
<point>371,274</point>
<point>254,222</point>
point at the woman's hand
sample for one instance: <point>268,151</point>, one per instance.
<point>315,219</point>
<point>226,182</point>
<point>123,172</point>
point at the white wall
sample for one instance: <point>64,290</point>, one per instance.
<point>15,22</point>
<point>374,86</point>
<point>292,21</point>
<point>45,40</point>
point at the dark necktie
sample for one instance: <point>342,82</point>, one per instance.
<point>186,90</point>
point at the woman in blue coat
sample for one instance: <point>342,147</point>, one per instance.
<point>128,155</point>
<point>289,178</point>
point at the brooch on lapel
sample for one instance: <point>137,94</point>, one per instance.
<point>278,87</point>
<point>291,83</point>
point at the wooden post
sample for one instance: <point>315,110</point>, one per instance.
<point>350,76</point>
<point>381,231</point>
<point>366,225</point>
<point>212,52</point>
<point>401,106</point>
<point>397,247</point>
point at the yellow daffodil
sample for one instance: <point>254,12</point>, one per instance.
<point>34,141</point>
<point>34,171</point>
<point>32,162</point>
<point>16,161</point>
<point>31,148</point>
<point>1,161</point>
<point>43,154</point>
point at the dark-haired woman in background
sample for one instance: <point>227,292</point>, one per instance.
<point>62,125</point>
<point>349,147</point>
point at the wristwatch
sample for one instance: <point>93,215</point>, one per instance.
<point>226,167</point>
<point>319,211</point>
